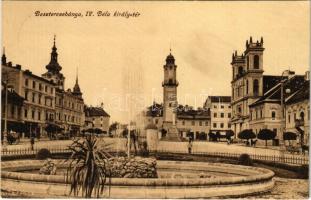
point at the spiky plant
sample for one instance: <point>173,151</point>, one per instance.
<point>88,167</point>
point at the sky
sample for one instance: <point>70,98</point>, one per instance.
<point>119,58</point>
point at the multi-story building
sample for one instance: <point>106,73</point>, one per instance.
<point>38,94</point>
<point>69,104</point>
<point>97,117</point>
<point>266,112</point>
<point>220,109</point>
<point>14,109</point>
<point>248,83</point>
<point>297,111</point>
<point>46,101</point>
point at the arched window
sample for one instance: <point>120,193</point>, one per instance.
<point>240,70</point>
<point>256,62</point>
<point>246,86</point>
<point>302,116</point>
<point>247,62</point>
<point>256,87</point>
<point>273,114</point>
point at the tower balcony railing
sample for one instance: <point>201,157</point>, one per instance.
<point>170,83</point>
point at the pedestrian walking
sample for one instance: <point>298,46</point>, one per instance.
<point>189,147</point>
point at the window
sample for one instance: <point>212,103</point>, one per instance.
<point>12,110</point>
<point>39,115</point>
<point>51,90</point>
<point>46,89</point>
<point>40,86</point>
<point>222,106</point>
<point>273,114</point>
<point>222,115</point>
<point>46,116</point>
<point>229,106</point>
<point>302,116</point>
<point>240,70</point>
<point>256,62</point>
<point>260,114</point>
<point>34,85</point>
<point>247,62</point>
<point>239,109</point>
<point>183,122</point>
<point>59,118</point>
<point>256,87</point>
<point>26,82</point>
<point>60,101</point>
<point>246,86</point>
<point>275,130</point>
<point>295,116</point>
<point>25,113</point>
<point>40,98</point>
<point>26,95</point>
<point>215,114</point>
<point>215,106</point>
<point>156,121</point>
<point>33,97</point>
<point>33,114</point>
<point>229,125</point>
<point>221,125</point>
<point>214,125</point>
<point>193,123</point>
<point>229,115</point>
<point>200,123</point>
<point>206,123</point>
<point>288,117</point>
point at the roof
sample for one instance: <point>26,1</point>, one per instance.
<point>29,73</point>
<point>95,112</point>
<point>183,112</point>
<point>224,99</point>
<point>274,94</point>
<point>302,94</point>
<point>270,81</point>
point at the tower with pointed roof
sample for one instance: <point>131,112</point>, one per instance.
<point>3,59</point>
<point>54,69</point>
<point>169,85</point>
<point>76,89</point>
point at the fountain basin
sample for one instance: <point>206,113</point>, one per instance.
<point>208,180</point>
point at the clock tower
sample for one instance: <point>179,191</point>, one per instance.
<point>170,98</point>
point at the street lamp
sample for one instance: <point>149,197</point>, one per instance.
<point>283,120</point>
<point>5,77</point>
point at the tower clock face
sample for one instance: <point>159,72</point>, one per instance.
<point>171,97</point>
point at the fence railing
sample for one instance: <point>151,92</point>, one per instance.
<point>288,159</point>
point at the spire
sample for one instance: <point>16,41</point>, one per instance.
<point>251,40</point>
<point>261,40</point>
<point>53,66</point>
<point>170,58</point>
<point>3,57</point>
<point>76,88</point>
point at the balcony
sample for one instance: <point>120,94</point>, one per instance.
<point>299,122</point>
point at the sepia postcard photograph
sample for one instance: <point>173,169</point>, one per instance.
<point>155,99</point>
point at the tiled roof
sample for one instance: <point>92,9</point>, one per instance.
<point>302,94</point>
<point>95,112</point>
<point>274,94</point>
<point>225,99</point>
<point>269,82</point>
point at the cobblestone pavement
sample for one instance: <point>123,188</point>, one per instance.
<point>286,189</point>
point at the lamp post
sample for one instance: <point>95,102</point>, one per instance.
<point>5,77</point>
<point>283,120</point>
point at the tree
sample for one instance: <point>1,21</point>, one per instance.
<point>246,134</point>
<point>266,134</point>
<point>217,136</point>
<point>89,167</point>
<point>212,136</point>
<point>113,127</point>
<point>289,136</point>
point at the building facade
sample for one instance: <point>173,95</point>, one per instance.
<point>45,100</point>
<point>97,117</point>
<point>220,109</point>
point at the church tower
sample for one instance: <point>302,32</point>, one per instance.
<point>54,69</point>
<point>170,98</point>
<point>247,82</point>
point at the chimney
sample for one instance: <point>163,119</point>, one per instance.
<point>307,75</point>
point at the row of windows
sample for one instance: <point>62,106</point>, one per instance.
<point>36,115</point>
<point>69,104</point>
<point>259,115</point>
<point>39,85</point>
<point>221,125</point>
<point>222,115</point>
<point>238,92</point>
<point>68,118</point>
<point>301,116</point>
<point>200,123</point>
<point>38,98</point>
<point>221,106</point>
